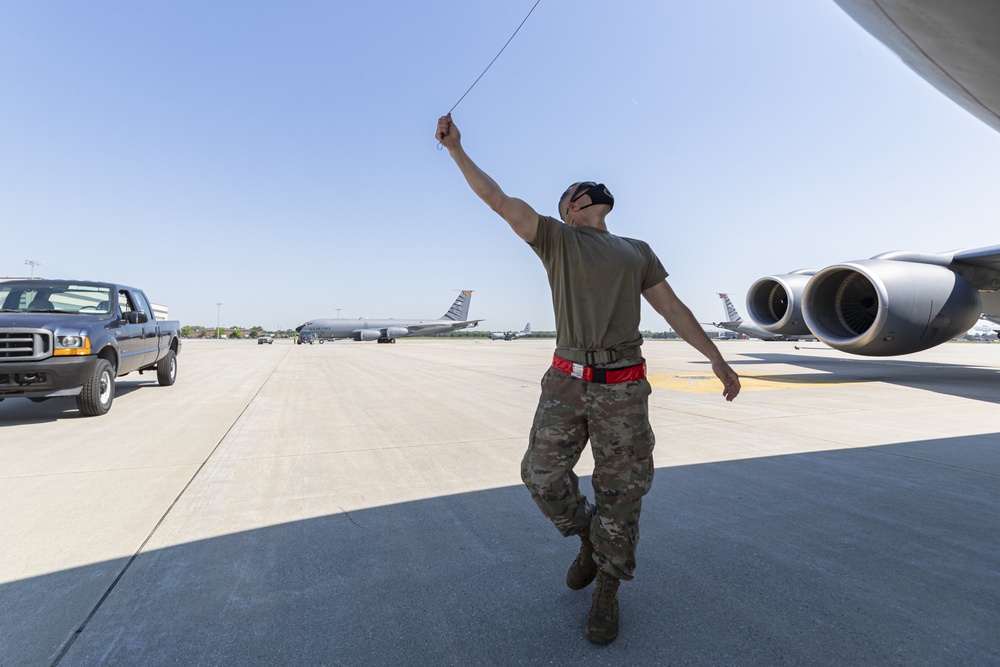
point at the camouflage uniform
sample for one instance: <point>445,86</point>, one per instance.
<point>596,280</point>
<point>614,417</point>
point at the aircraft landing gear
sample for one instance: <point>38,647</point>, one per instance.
<point>383,339</point>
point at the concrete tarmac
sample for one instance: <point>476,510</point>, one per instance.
<point>360,504</point>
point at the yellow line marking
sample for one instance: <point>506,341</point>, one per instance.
<point>697,383</point>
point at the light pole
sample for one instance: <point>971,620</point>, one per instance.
<point>338,313</point>
<point>33,263</point>
<point>218,314</point>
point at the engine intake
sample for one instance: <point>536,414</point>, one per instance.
<point>884,307</point>
<point>775,303</point>
<point>367,334</point>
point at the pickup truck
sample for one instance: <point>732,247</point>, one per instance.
<point>74,337</point>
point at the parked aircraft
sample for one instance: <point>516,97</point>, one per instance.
<point>903,302</point>
<point>511,335</point>
<point>736,324</point>
<point>984,329</point>
<point>387,331</point>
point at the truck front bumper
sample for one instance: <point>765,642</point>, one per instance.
<point>50,377</point>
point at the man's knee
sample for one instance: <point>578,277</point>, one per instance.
<point>544,483</point>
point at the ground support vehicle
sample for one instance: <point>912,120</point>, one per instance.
<point>73,338</point>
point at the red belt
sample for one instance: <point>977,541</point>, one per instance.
<point>600,375</point>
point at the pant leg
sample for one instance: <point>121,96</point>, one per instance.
<point>622,442</point>
<point>558,436</point>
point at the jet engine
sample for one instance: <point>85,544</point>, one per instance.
<point>775,303</point>
<point>883,307</point>
<point>367,334</point>
<point>396,332</point>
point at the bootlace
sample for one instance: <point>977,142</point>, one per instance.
<point>605,592</point>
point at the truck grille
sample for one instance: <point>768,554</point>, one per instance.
<point>25,344</point>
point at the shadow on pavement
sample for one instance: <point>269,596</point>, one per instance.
<point>864,556</point>
<point>15,411</point>
<point>955,380</point>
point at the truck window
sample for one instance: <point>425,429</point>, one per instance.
<point>140,300</point>
<point>125,303</point>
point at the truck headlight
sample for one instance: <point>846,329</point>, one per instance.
<point>72,346</point>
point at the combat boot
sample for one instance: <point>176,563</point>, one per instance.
<point>584,569</point>
<point>602,624</point>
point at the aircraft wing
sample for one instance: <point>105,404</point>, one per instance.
<point>980,266</point>
<point>952,44</point>
<point>415,328</point>
<point>982,258</point>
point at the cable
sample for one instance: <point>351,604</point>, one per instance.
<point>494,57</point>
<point>439,146</point>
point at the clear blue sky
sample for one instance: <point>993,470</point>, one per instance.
<point>278,157</point>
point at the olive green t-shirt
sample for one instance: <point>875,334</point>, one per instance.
<point>597,280</point>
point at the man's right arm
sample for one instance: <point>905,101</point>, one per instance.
<point>519,215</point>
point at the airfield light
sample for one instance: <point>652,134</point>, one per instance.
<point>218,312</point>
<point>33,263</point>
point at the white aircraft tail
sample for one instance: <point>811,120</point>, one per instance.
<point>527,329</point>
<point>731,314</point>
<point>459,311</point>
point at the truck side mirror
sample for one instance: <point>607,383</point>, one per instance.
<point>136,317</point>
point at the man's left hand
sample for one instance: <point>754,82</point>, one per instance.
<point>730,380</point>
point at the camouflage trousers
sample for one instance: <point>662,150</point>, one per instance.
<point>615,419</point>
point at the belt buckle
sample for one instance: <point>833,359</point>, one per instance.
<point>577,371</point>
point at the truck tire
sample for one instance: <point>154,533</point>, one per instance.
<point>166,369</point>
<point>98,391</point>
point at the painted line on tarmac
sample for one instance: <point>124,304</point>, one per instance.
<point>695,383</point>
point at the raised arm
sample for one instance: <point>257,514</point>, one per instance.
<point>680,318</point>
<point>519,215</point>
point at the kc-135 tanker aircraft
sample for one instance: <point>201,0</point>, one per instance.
<point>903,302</point>
<point>738,325</point>
<point>387,331</point>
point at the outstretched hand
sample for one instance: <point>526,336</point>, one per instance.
<point>447,132</point>
<point>730,380</point>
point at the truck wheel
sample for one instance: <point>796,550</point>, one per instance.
<point>166,369</point>
<point>98,390</point>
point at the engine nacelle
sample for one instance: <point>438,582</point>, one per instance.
<point>367,334</point>
<point>775,303</point>
<point>397,332</point>
<point>882,307</point>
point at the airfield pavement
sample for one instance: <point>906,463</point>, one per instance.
<point>360,504</point>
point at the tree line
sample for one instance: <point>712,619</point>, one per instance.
<point>198,331</point>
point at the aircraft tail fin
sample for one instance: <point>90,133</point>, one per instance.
<point>527,329</point>
<point>459,310</point>
<point>731,314</point>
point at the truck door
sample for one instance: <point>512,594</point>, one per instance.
<point>150,330</point>
<point>131,337</point>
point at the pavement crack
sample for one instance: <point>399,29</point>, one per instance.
<point>349,517</point>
